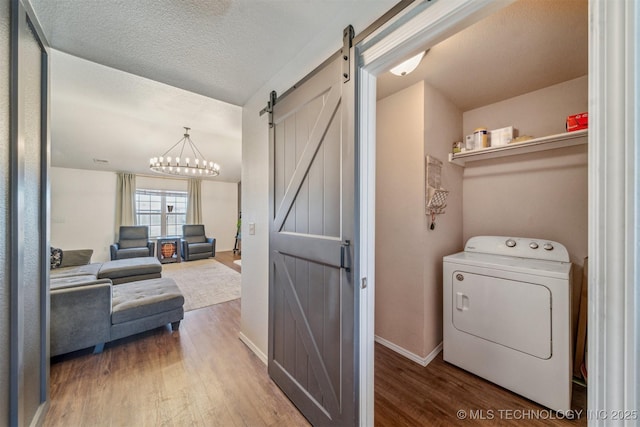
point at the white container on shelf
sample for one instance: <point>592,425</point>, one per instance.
<point>500,137</point>
<point>469,143</point>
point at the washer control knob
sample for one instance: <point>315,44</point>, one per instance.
<point>510,243</point>
<point>533,245</point>
<point>548,247</point>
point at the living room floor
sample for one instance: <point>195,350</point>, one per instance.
<point>202,375</point>
<point>227,258</point>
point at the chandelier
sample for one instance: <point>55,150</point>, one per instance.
<point>173,162</point>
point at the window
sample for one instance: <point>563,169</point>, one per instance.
<point>164,212</point>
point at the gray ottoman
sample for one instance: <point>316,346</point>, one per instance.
<point>130,270</point>
<point>145,304</point>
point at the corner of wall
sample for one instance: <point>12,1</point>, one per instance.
<point>443,126</point>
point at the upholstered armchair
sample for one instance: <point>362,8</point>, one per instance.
<point>195,245</point>
<point>134,242</point>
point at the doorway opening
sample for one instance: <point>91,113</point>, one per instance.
<point>494,73</point>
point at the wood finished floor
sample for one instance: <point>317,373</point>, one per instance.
<point>203,375</point>
<point>227,258</point>
<point>406,394</point>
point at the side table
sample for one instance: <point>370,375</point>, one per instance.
<point>168,249</point>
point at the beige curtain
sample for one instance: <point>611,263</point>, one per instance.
<point>194,201</point>
<point>125,201</point>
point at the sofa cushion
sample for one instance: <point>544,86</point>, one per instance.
<point>133,243</point>
<point>74,257</point>
<point>133,253</point>
<point>136,300</point>
<point>129,267</point>
<point>194,239</point>
<point>200,248</point>
<point>79,270</point>
<point>55,258</point>
<point>75,281</point>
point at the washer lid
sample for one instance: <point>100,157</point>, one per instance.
<point>536,267</point>
<point>523,247</point>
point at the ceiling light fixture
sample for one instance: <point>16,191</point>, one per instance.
<point>407,66</point>
<point>195,166</point>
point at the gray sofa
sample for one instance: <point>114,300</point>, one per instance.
<point>89,309</point>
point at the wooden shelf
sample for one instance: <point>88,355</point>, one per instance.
<point>550,142</point>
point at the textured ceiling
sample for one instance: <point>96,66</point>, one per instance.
<point>173,63</point>
<point>224,49</point>
<point>523,47</point>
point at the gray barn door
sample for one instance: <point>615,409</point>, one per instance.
<point>311,290</point>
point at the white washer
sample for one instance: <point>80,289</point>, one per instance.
<point>507,315</point>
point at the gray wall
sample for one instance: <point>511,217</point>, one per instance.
<point>31,259</point>
<point>23,274</point>
<point>4,203</point>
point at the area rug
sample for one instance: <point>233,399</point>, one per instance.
<point>204,282</point>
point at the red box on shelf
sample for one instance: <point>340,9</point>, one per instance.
<point>577,122</point>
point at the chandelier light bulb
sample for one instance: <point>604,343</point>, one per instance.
<point>186,168</point>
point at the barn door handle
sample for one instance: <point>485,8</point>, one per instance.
<point>344,247</point>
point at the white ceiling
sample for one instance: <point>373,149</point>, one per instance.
<point>526,46</point>
<point>199,50</point>
<point>101,113</point>
<point>169,64</point>
<point>223,49</point>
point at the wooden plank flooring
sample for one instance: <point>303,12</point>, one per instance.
<point>227,258</point>
<point>406,394</point>
<point>203,375</point>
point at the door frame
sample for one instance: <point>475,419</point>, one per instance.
<point>614,196</point>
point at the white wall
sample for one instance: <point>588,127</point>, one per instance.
<point>83,208</point>
<point>220,212</point>
<point>443,122</point>
<point>411,124</point>
<point>539,113</point>
<point>255,177</point>
<point>400,219</point>
<point>541,195</point>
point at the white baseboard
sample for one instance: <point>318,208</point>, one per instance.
<point>423,361</point>
<point>253,347</point>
